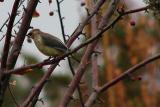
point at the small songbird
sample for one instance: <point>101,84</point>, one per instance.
<point>48,44</point>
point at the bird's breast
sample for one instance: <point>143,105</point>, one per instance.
<point>46,50</point>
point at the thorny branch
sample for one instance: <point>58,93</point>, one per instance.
<point>8,34</point>
<point>64,38</point>
<point>80,28</point>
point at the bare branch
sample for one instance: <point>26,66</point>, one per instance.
<point>79,29</point>
<point>4,24</point>
<point>8,34</point>
<point>61,20</point>
<point>13,96</point>
<point>4,83</point>
<point>106,86</point>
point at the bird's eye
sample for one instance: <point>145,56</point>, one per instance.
<point>29,33</point>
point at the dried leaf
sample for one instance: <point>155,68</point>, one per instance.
<point>24,72</point>
<point>35,14</point>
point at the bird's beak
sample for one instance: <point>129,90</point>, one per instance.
<point>29,34</point>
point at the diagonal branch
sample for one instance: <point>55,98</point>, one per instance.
<point>79,29</point>
<point>8,34</point>
<point>106,86</point>
<point>61,20</point>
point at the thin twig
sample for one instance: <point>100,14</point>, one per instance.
<point>18,21</point>
<point>4,24</point>
<point>80,28</point>
<point>13,96</point>
<point>8,34</point>
<point>68,58</point>
<point>61,20</point>
<point>78,87</point>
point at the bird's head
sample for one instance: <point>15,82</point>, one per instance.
<point>33,33</point>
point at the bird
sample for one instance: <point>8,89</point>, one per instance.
<point>48,44</point>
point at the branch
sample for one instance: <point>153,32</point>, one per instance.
<point>17,45</point>
<point>3,83</point>
<point>8,34</point>
<point>61,20</point>
<point>38,86</point>
<point>13,96</point>
<point>79,29</point>
<point>79,73</point>
<point>4,24</point>
<point>106,86</point>
<point>94,71</point>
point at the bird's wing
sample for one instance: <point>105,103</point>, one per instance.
<point>53,42</point>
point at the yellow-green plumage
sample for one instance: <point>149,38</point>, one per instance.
<point>48,44</point>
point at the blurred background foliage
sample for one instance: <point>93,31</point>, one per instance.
<point>122,47</point>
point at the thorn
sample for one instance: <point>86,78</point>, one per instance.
<point>18,13</point>
<point>31,27</point>
<point>9,14</point>
<point>25,10</point>
<point>61,1</point>
<point>39,1</point>
<point>97,52</point>
<point>40,100</point>
<point>87,11</point>
<point>83,3</point>
<point>6,25</point>
<point>62,18</point>
<point>15,31</point>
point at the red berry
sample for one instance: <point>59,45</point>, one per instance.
<point>83,3</point>
<point>132,23</point>
<point>51,13</point>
